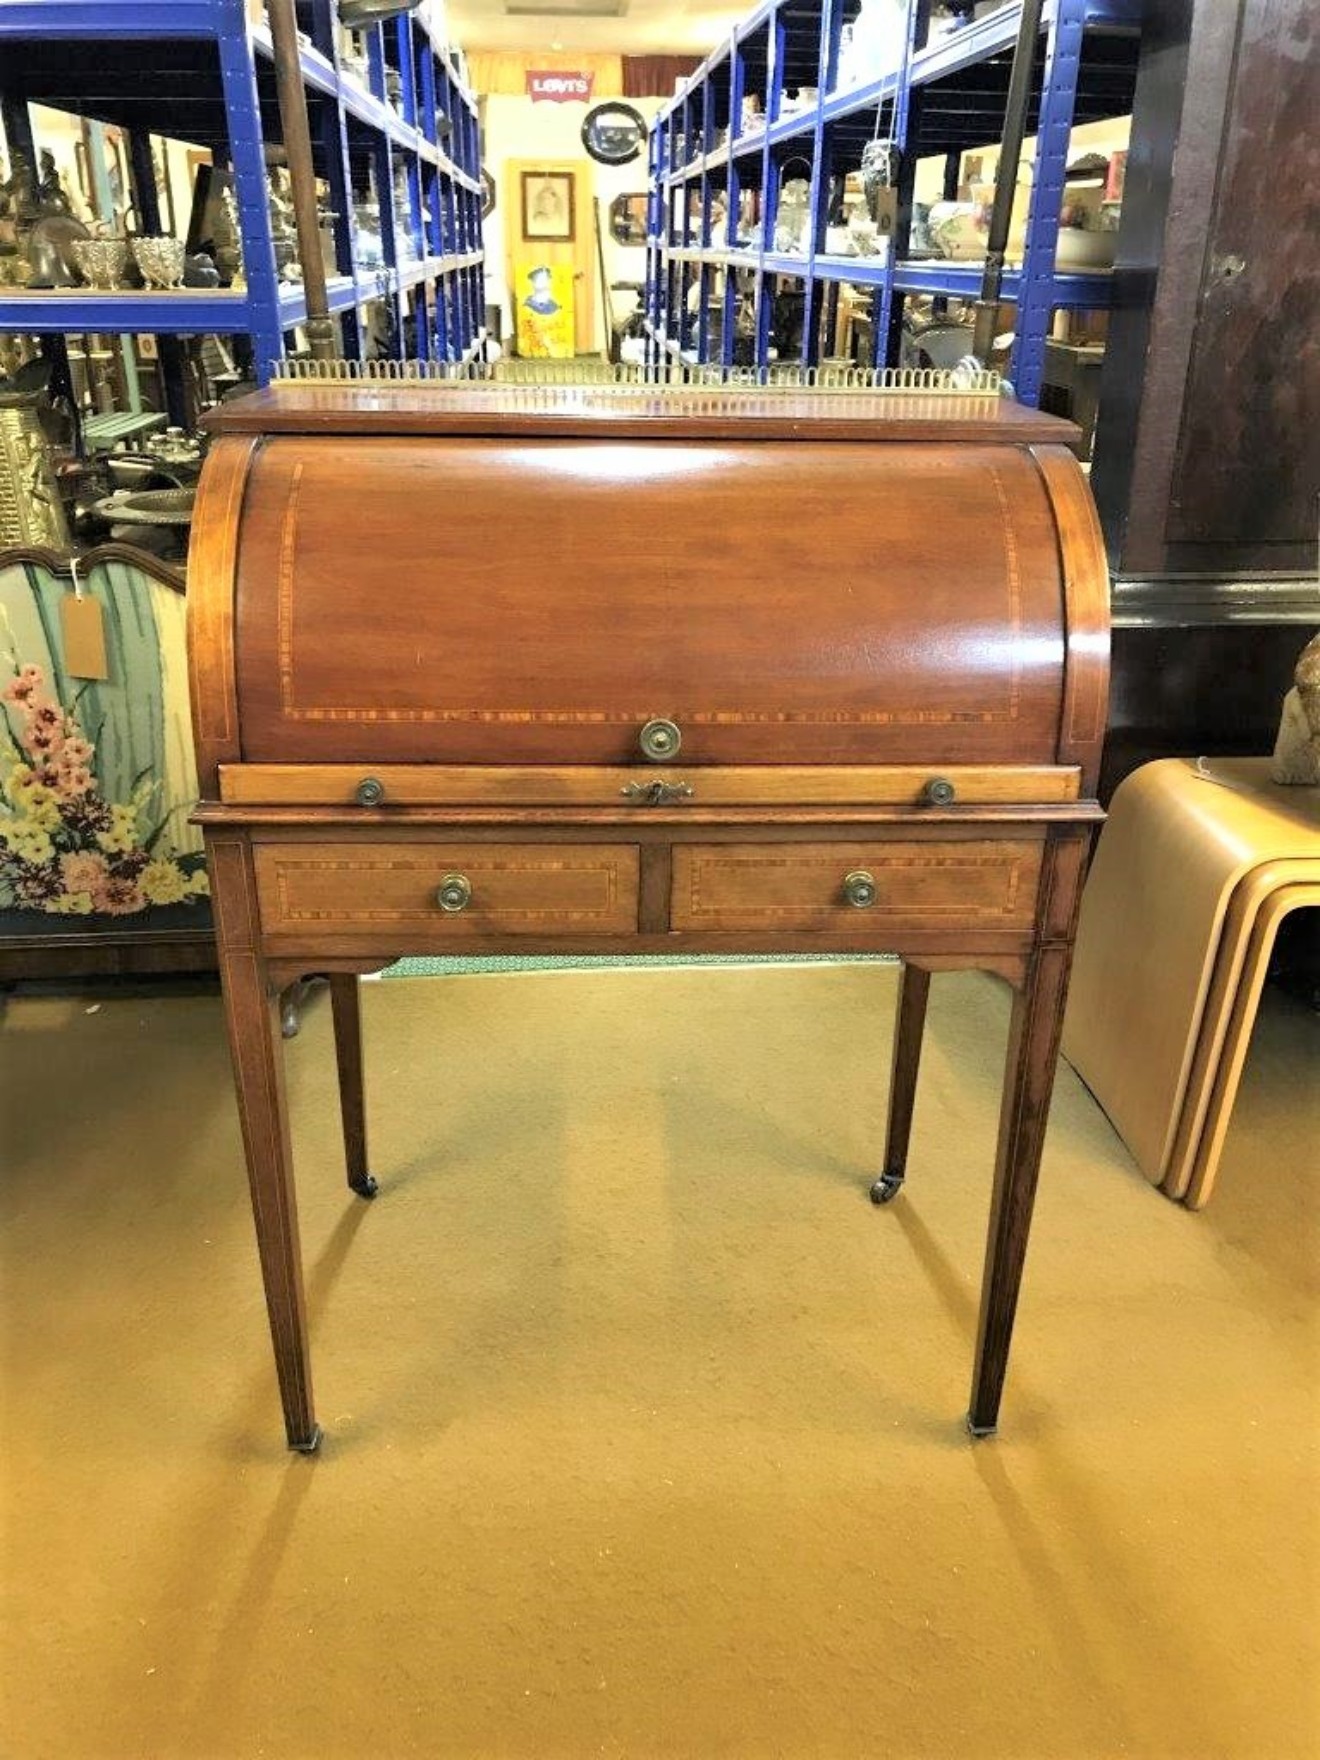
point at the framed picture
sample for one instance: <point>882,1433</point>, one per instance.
<point>547,206</point>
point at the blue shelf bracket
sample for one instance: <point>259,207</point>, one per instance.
<point>1063,56</point>
<point>247,162</point>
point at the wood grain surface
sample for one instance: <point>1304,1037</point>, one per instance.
<point>781,603</point>
<point>476,610</point>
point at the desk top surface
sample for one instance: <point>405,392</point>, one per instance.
<point>598,411</point>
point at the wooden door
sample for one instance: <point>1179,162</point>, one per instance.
<point>548,222</point>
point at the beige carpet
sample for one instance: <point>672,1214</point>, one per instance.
<point>643,1426</point>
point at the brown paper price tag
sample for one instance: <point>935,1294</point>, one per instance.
<point>83,629</point>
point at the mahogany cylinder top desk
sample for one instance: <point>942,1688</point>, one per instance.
<point>640,671</point>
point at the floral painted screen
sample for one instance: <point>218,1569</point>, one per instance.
<point>97,777</point>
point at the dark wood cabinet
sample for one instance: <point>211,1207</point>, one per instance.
<point>1207,452</point>
<point>1208,435</point>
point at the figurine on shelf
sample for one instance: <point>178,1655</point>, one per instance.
<point>52,197</point>
<point>283,229</point>
<point>229,240</point>
<point>19,199</point>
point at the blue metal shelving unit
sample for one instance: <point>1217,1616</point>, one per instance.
<point>941,99</point>
<point>202,72</point>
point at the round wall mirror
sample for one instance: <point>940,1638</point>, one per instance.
<point>613,133</point>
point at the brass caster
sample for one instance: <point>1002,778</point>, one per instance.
<point>886,1188</point>
<point>365,1187</point>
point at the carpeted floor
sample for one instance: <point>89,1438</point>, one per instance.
<point>643,1426</point>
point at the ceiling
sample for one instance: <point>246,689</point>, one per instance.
<point>627,27</point>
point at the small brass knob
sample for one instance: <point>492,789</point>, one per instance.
<point>940,792</point>
<point>370,793</point>
<point>454,893</point>
<point>660,741</point>
<point>860,889</point>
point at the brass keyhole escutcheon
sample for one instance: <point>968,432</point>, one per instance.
<point>860,889</point>
<point>454,893</point>
<point>370,793</point>
<point>660,741</point>
<point>656,794</point>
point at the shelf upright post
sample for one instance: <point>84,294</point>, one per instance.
<point>706,200</point>
<point>657,242</point>
<point>382,159</point>
<point>770,179</point>
<point>886,311</point>
<point>428,101</point>
<point>339,175</point>
<point>414,170</point>
<point>17,120</point>
<point>247,162</point>
<point>818,201</point>
<point>451,224</point>
<point>1058,96</point>
<point>733,200</point>
<point>171,349</point>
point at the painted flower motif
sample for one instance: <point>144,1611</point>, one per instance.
<point>164,882</point>
<point>72,904</point>
<point>83,871</point>
<point>77,751</point>
<point>35,885</point>
<point>121,833</point>
<point>64,849</point>
<point>85,815</point>
<point>29,680</point>
<point>74,781</point>
<point>119,897</point>
<point>29,841</point>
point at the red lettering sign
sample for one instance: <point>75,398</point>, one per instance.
<point>560,88</point>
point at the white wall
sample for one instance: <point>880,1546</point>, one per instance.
<point>516,128</point>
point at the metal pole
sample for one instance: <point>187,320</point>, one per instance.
<point>1010,154</point>
<point>296,129</point>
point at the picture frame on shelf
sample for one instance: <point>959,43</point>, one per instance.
<point>547,207</point>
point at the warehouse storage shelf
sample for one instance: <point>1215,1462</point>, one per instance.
<point>202,71</point>
<point>728,134</point>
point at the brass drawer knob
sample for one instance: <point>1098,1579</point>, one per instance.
<point>454,893</point>
<point>370,793</point>
<point>940,792</point>
<point>860,889</point>
<point>660,741</point>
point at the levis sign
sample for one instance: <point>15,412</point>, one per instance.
<point>560,88</point>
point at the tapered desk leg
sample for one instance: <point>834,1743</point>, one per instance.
<point>252,1016</point>
<point>911,1024</point>
<point>1033,1047</point>
<point>344,1004</point>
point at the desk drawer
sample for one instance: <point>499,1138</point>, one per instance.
<point>855,889</point>
<point>488,889</point>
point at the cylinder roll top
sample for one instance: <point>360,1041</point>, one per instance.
<point>457,600</point>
